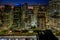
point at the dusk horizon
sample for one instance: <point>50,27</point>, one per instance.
<point>21,2</point>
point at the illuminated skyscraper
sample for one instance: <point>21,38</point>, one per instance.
<point>54,7</point>
<point>17,16</point>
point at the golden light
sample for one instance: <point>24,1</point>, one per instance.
<point>10,31</point>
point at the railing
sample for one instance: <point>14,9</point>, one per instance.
<point>18,38</point>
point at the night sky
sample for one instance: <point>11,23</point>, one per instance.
<point>21,2</point>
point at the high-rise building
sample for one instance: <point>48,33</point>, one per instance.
<point>6,16</point>
<point>17,16</point>
<point>41,17</point>
<point>54,7</point>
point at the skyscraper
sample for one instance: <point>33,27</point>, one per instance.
<point>17,16</point>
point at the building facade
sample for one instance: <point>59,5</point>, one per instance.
<point>27,16</point>
<point>54,7</point>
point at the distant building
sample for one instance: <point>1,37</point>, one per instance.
<point>54,10</point>
<point>25,16</point>
<point>17,16</point>
<point>42,16</point>
<point>6,15</point>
